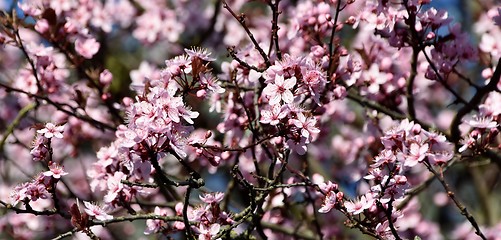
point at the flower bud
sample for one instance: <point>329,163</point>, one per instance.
<point>201,93</point>
<point>106,77</point>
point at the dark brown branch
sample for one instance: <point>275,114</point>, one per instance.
<point>374,105</point>
<point>241,20</point>
<point>187,226</point>
<point>139,184</point>
<point>165,184</point>
<point>421,187</point>
<point>234,149</point>
<point>233,54</point>
<point>331,41</point>
<point>66,234</point>
<point>138,217</point>
<point>19,41</point>
<point>97,124</point>
<point>206,34</point>
<point>456,201</point>
<point>29,210</point>
<point>473,103</point>
<point>410,84</point>
<point>274,27</point>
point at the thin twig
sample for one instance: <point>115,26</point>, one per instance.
<point>274,27</point>
<point>187,225</point>
<point>234,149</point>
<point>456,201</point>
<point>421,187</point>
<point>331,41</point>
<point>138,217</point>
<point>233,54</point>
<point>410,83</point>
<point>29,210</point>
<point>139,184</point>
<point>66,234</point>
<point>474,102</point>
<point>162,180</point>
<point>374,105</point>
<point>241,20</point>
<point>97,124</point>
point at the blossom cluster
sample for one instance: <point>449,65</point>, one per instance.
<point>390,174</point>
<point>39,187</point>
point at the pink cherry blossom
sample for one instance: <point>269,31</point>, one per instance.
<point>56,171</point>
<point>280,90</point>
<point>417,153</point>
<point>274,115</point>
<point>328,203</point>
<point>212,198</point>
<point>199,53</point>
<point>208,232</point>
<point>105,77</point>
<point>440,158</point>
<point>386,156</point>
<point>358,206</point>
<point>42,26</point>
<point>51,130</point>
<point>115,187</point>
<point>482,122</point>
<point>96,211</point>
<point>210,82</point>
<point>154,226</point>
<point>87,47</point>
<point>307,125</point>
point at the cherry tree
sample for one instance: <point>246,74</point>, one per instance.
<point>236,119</point>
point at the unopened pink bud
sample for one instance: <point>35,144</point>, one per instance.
<point>105,96</point>
<point>416,129</point>
<point>201,93</point>
<point>312,20</point>
<point>430,35</point>
<point>208,134</point>
<point>475,133</point>
<point>401,179</point>
<point>340,196</point>
<point>42,26</point>
<point>127,101</point>
<point>105,77</point>
<point>487,73</point>
<point>351,20</point>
